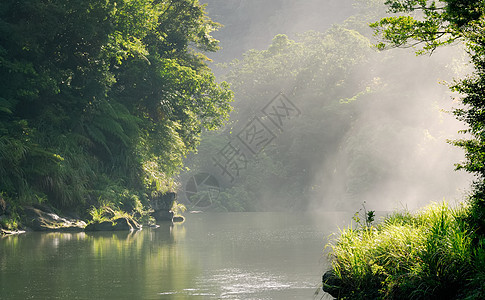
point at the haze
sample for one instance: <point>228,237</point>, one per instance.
<point>373,127</point>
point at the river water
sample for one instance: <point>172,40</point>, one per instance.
<point>209,256</point>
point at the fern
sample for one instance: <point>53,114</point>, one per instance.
<point>98,136</point>
<point>112,127</point>
<point>81,140</point>
<point>12,154</point>
<point>6,106</point>
<point>111,119</point>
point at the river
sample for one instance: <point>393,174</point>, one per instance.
<point>209,256</point>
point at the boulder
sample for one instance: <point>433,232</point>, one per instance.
<point>38,219</point>
<point>178,219</point>
<point>161,205</point>
<point>163,215</point>
<point>163,202</point>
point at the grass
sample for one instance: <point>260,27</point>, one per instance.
<point>10,223</point>
<point>427,255</point>
<point>108,213</point>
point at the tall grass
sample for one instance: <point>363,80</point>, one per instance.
<point>428,255</point>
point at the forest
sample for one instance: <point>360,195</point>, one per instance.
<point>101,100</point>
<point>107,106</point>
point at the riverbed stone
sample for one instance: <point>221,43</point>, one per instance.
<point>38,219</point>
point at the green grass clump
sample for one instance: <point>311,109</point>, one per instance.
<point>428,255</point>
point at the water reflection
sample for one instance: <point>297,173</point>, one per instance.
<point>103,265</point>
<point>210,256</point>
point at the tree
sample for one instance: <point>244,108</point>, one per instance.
<point>436,23</point>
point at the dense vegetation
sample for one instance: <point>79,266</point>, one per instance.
<point>438,253</point>
<point>101,100</point>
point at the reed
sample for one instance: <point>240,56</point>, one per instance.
<point>426,255</point>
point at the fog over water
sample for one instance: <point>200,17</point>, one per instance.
<point>388,150</point>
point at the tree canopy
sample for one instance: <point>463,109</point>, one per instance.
<point>428,23</point>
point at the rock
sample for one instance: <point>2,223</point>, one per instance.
<point>162,205</point>
<point>99,226</point>
<point>163,202</point>
<point>40,220</point>
<point>331,283</point>
<point>178,219</point>
<point>163,215</point>
<point>119,224</point>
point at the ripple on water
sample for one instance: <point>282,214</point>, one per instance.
<point>234,283</point>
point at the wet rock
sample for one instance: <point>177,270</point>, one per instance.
<point>178,219</point>
<point>38,219</point>
<point>119,224</point>
<point>162,205</point>
<point>163,215</point>
<point>163,202</point>
<point>331,283</point>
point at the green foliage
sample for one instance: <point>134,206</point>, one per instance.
<point>102,94</point>
<point>10,223</point>
<point>178,208</point>
<point>9,216</point>
<point>100,214</point>
<point>429,255</point>
<point>108,213</point>
<point>430,23</point>
<point>363,217</point>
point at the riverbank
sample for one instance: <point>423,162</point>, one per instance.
<point>44,218</point>
<point>427,255</point>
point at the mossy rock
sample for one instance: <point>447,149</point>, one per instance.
<point>119,224</point>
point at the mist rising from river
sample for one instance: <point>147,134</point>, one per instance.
<point>394,154</point>
<point>405,136</point>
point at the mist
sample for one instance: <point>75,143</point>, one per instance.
<point>372,126</point>
<point>252,24</point>
<point>407,161</point>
